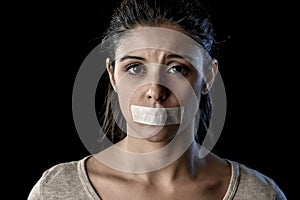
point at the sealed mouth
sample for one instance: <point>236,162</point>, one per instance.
<point>157,115</point>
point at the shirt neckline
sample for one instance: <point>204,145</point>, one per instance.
<point>230,193</point>
<point>234,180</point>
<point>90,190</point>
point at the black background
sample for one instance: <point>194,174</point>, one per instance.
<point>45,45</point>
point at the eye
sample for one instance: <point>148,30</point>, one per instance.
<point>179,69</point>
<point>135,69</point>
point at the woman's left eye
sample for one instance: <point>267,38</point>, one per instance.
<point>183,70</point>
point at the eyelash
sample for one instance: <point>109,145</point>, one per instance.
<point>143,68</point>
<point>131,66</point>
<point>181,67</point>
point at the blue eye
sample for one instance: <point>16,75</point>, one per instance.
<point>179,69</point>
<point>135,69</point>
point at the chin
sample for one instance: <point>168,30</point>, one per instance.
<point>167,133</point>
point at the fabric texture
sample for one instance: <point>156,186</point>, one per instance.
<point>70,181</point>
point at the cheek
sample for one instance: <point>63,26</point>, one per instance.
<point>130,95</point>
<point>135,98</point>
<point>187,90</point>
<point>196,85</point>
<point>118,74</point>
<point>197,89</point>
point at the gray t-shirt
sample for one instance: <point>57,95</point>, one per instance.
<point>70,181</point>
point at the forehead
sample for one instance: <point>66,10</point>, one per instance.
<point>156,39</point>
<point>155,54</point>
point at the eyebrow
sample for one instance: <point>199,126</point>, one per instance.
<point>131,57</point>
<point>185,57</point>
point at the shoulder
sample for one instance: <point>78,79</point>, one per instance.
<point>60,172</point>
<point>59,180</point>
<point>252,184</point>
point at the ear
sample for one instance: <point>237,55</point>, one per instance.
<point>110,72</point>
<point>210,76</point>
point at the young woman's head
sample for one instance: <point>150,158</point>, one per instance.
<point>157,48</point>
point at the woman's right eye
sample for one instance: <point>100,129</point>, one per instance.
<point>136,69</point>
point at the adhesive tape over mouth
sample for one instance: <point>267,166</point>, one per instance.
<point>157,116</point>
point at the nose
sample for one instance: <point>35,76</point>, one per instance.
<point>157,93</point>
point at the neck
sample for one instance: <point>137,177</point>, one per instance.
<point>184,167</point>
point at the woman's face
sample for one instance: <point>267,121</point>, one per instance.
<point>155,75</point>
<point>159,68</point>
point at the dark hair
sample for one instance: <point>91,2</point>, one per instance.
<point>189,15</point>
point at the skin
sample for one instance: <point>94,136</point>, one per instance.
<point>153,94</point>
<point>189,177</point>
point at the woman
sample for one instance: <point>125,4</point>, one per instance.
<point>161,67</point>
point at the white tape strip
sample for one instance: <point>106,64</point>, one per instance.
<point>157,116</point>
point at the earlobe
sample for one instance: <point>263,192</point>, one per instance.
<point>204,89</point>
<point>210,76</point>
<point>110,72</point>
